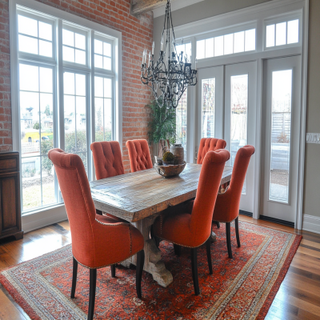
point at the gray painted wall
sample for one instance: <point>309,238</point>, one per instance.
<point>211,8</point>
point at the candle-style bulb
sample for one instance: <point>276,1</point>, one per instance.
<point>153,48</point>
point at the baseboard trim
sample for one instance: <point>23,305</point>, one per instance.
<point>245,213</point>
<point>278,221</point>
<point>42,219</point>
<point>311,223</point>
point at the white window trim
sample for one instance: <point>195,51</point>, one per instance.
<point>262,12</point>
<point>55,213</point>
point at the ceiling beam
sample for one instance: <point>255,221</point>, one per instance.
<point>142,6</point>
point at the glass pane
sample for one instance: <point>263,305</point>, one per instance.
<point>68,54</point>
<point>107,49</point>
<point>46,115</point>
<point>280,135</point>
<point>209,48</point>
<point>293,31</point>
<point>81,124</point>
<point>200,49</point>
<point>46,80</point>
<point>250,40</point>
<point>29,113</point>
<point>80,85</point>
<point>106,63</point>
<point>181,122</point>
<point>239,108</point>
<point>98,105</point>
<point>97,46</point>
<point>48,192</point>
<point>27,26</point>
<point>98,87</point>
<point>208,108</point>
<point>45,48</point>
<point>29,78</point>
<point>270,36</point>
<point>31,182</point>
<point>69,124</point>
<point>80,40</point>
<point>228,44</point>
<point>68,83</point>
<point>45,31</point>
<point>68,38</point>
<point>107,88</point>
<point>281,33</point>
<point>218,46</point>
<point>97,61</point>
<point>107,120</point>
<point>239,42</point>
<point>80,57</point>
<point>28,45</point>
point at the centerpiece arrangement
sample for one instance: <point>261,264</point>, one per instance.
<point>171,164</point>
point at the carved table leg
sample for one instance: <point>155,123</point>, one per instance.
<point>152,263</point>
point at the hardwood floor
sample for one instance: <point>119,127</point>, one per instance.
<point>297,298</point>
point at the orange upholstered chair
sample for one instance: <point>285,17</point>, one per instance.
<point>180,227</point>
<point>139,155</point>
<point>107,159</point>
<point>227,204</point>
<point>209,144</point>
<point>97,241</point>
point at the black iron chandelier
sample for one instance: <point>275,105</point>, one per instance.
<point>170,76</point>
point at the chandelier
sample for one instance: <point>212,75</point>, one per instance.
<point>170,76</point>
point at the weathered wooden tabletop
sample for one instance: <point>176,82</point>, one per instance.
<point>135,196</point>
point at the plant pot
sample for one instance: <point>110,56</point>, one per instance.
<point>178,152</point>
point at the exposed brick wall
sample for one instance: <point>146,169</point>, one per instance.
<point>136,35</point>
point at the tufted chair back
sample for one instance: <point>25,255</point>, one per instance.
<point>107,159</point>
<point>139,155</point>
<point>209,144</point>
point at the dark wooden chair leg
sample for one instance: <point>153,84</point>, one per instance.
<point>113,270</point>
<point>195,271</point>
<point>236,222</point>
<point>208,243</point>
<point>218,224</point>
<point>228,239</point>
<point>140,263</point>
<point>92,293</point>
<point>74,277</point>
<point>177,250</point>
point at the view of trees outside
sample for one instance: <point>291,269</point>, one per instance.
<point>208,107</point>
<point>280,135</point>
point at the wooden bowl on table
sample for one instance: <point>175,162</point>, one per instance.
<point>170,170</point>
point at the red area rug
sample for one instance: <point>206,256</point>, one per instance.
<point>240,288</point>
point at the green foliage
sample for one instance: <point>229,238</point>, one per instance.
<point>46,145</point>
<point>36,126</point>
<point>168,156</point>
<point>162,124</point>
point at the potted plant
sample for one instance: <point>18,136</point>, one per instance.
<point>162,126</point>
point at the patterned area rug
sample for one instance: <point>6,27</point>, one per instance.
<point>240,288</point>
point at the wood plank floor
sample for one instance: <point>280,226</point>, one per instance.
<point>297,298</point>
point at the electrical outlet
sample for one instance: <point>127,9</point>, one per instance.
<point>313,138</point>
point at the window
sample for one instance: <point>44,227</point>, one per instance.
<point>231,43</point>
<point>282,33</point>
<point>64,100</point>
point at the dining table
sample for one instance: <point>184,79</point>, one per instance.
<point>140,197</point>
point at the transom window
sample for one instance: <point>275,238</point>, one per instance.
<point>62,101</point>
<point>282,33</point>
<point>231,43</point>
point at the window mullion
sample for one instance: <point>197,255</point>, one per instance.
<point>60,86</point>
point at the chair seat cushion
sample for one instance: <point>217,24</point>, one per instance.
<point>106,218</point>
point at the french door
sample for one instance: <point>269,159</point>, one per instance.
<point>280,154</point>
<point>227,109</point>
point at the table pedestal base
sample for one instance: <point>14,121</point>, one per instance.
<point>152,263</point>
